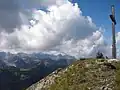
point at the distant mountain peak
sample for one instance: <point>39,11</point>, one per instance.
<point>24,60</point>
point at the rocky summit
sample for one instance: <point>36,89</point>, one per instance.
<point>88,74</point>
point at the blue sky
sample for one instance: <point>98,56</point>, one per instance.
<point>99,11</point>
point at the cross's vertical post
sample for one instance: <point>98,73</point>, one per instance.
<point>113,33</point>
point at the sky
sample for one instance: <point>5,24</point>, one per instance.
<point>76,27</point>
<point>101,9</point>
<point>100,15</point>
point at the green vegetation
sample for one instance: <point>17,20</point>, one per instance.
<point>117,75</point>
<point>89,74</point>
<point>12,78</point>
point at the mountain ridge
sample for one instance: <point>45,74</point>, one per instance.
<point>93,74</point>
<point>19,71</point>
<point>22,60</point>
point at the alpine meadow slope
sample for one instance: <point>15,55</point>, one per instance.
<point>90,74</point>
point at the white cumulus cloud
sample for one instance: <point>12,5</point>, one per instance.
<point>118,38</point>
<point>63,28</point>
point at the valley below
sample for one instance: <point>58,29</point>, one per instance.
<point>19,71</point>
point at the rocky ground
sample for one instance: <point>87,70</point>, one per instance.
<point>89,74</point>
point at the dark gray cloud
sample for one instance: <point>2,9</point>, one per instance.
<point>9,5</point>
<point>11,15</point>
<point>9,20</point>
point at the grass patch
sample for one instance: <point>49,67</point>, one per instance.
<point>90,74</point>
<point>117,75</point>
